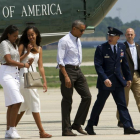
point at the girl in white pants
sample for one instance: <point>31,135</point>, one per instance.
<point>9,77</point>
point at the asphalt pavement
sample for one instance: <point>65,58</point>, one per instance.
<point>51,118</point>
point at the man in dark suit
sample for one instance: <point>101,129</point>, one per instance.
<point>133,58</point>
<point>109,60</point>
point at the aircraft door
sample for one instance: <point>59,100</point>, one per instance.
<point>78,9</point>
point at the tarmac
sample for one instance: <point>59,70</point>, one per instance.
<point>51,118</point>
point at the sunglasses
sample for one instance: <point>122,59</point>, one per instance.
<point>81,30</point>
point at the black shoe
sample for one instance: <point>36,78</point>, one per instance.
<point>130,130</point>
<point>68,133</point>
<point>78,128</point>
<point>90,130</point>
<point>120,124</point>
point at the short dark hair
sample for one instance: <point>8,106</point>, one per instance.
<point>76,23</point>
<point>9,30</point>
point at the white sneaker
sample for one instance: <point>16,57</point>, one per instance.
<point>12,132</point>
<point>7,136</point>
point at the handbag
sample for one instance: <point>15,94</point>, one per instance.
<point>32,79</point>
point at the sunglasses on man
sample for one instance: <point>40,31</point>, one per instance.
<point>81,30</point>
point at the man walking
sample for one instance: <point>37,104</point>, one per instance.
<point>69,57</point>
<point>133,58</point>
<point>109,60</point>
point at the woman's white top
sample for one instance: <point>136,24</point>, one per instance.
<point>6,47</point>
<point>34,64</point>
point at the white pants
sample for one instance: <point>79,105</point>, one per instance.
<point>9,79</point>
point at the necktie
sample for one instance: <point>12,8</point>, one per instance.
<point>115,51</point>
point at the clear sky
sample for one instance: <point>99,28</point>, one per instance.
<point>128,10</point>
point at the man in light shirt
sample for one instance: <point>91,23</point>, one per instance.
<point>69,58</point>
<point>133,58</point>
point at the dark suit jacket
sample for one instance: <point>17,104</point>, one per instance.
<point>109,67</point>
<point>130,60</point>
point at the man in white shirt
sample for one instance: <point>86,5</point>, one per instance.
<point>133,58</point>
<point>69,58</point>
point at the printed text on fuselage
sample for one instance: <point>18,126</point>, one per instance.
<point>33,10</point>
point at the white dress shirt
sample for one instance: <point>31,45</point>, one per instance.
<point>133,51</point>
<point>69,51</point>
<point>112,47</point>
<point>6,47</point>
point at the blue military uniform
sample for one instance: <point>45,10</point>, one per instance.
<point>109,67</point>
<point>114,68</point>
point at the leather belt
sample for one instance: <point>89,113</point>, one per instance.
<point>4,64</point>
<point>72,66</point>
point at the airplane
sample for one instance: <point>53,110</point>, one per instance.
<point>53,18</point>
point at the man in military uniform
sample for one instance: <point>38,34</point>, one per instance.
<point>133,58</point>
<point>109,60</point>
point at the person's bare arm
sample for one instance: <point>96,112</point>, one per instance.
<point>67,79</point>
<point>11,62</point>
<point>41,70</point>
<point>21,48</point>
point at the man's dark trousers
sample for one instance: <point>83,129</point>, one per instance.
<point>79,82</point>
<point>119,97</point>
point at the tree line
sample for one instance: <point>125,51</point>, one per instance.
<point>101,29</point>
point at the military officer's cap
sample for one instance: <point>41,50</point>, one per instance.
<point>114,32</point>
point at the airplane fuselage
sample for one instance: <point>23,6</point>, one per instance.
<point>53,18</point>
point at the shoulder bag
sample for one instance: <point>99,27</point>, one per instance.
<point>32,79</point>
